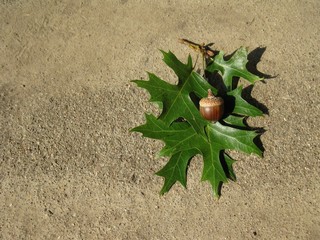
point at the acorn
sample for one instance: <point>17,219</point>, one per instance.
<point>211,107</point>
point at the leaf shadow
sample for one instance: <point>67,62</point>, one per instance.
<point>228,170</point>
<point>195,99</point>
<point>216,80</point>
<point>257,140</point>
<point>254,57</point>
<point>247,95</point>
<point>229,104</point>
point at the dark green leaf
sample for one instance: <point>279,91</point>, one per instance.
<point>181,141</point>
<point>235,120</point>
<point>233,139</point>
<point>176,170</point>
<point>186,134</point>
<point>234,67</point>
<point>176,99</point>
<point>242,107</point>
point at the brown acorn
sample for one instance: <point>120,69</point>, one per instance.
<point>211,107</point>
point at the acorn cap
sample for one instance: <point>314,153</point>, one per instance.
<point>211,100</point>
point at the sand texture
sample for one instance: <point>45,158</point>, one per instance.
<point>70,168</point>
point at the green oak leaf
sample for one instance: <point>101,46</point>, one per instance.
<point>176,100</point>
<point>176,170</point>
<point>234,67</point>
<point>241,106</point>
<point>235,120</point>
<point>182,142</point>
<point>186,134</point>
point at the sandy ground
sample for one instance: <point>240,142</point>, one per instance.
<point>71,170</point>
